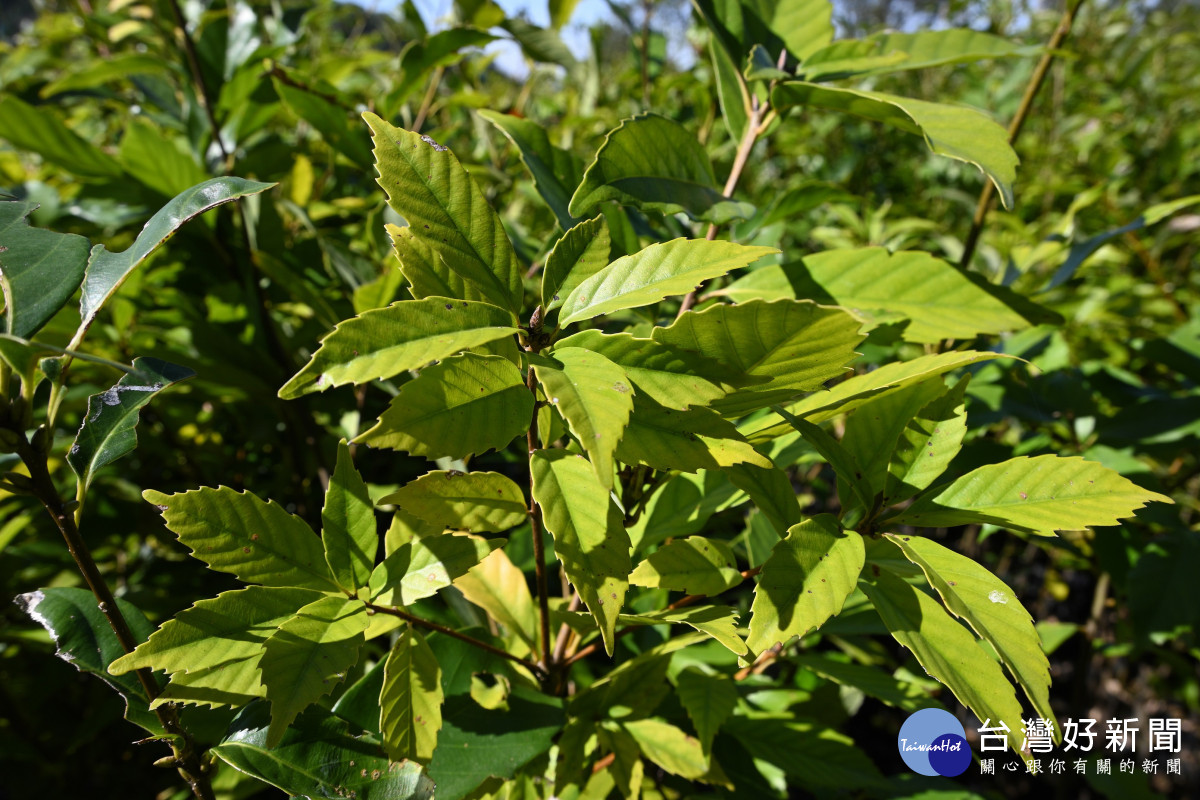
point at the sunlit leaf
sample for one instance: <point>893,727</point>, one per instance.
<point>410,701</point>
<point>348,525</point>
<point>694,565</point>
<point>690,440</point>
<point>472,501</point>
<point>425,565</point>
<point>39,269</point>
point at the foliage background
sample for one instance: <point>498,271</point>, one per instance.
<point>1115,131</point>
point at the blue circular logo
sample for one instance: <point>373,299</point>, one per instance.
<point>933,742</point>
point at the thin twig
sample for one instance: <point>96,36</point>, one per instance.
<point>1014,128</point>
<point>206,98</point>
<point>421,622</point>
<point>186,758</point>
<point>427,102</point>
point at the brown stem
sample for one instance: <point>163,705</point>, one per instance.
<point>186,758</point>
<point>427,102</point>
<point>754,128</point>
<point>420,622</point>
<point>1014,128</point>
<point>535,526</point>
<point>206,98</point>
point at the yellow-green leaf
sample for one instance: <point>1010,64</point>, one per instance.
<point>410,701</point>
<point>465,501</point>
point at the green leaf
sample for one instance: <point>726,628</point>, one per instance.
<point>954,131</point>
<point>940,301</point>
<point>39,269</point>
<point>802,26</point>
<point>812,756</point>
<point>845,464</point>
<point>690,440</point>
<point>108,431</point>
<point>772,492</point>
<point>657,165</point>
<point>669,747</point>
<point>476,743</point>
<point>627,768</point>
<point>410,701</point>
<point>107,271</point>
<point>499,588</point>
<point>947,651</point>
<point>654,273</point>
<point>760,66</point>
<point>34,130</point>
<point>777,349</point>
<point>717,622</point>
<point>872,430</point>
<point>326,118</point>
<point>464,405</point>
<point>637,685</point>
<point>578,255</point>
<point>427,186</point>
<point>694,565</point>
<point>731,90</point>
<point>159,160</point>
<point>903,694</point>
<point>230,683</point>
<point>406,335</point>
<point>1040,495</point>
<point>893,52</point>
<point>927,444</point>
<point>860,389</point>
<point>594,397</point>
<point>238,533</point>
<point>539,44</point>
<point>555,171</point>
<point>805,581</point>
<point>421,56</point>
<point>674,377</point>
<point>708,700</point>
<point>472,501</point>
<point>84,638</point>
<point>560,12</point>
<point>90,73</point>
<point>992,609</point>
<point>319,758</point>
<point>229,627</point>
<point>348,525</point>
<point>308,656</point>
<point>427,273</point>
<point>589,533</point>
<point>425,565</point>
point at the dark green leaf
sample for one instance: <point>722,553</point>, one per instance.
<point>319,758</point>
<point>34,130</point>
<point>655,164</point>
<point>109,428</point>
<point>39,269</point>
<point>694,565</point>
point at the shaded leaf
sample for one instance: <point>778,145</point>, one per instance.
<point>656,164</point>
<point>689,440</point>
<point>708,700</point>
<point>805,581</point>
<point>954,131</point>
<point>33,130</point>
<point>158,160</point>
<point>427,186</point>
<point>718,622</point>
<point>694,565</point>
<point>927,445</point>
<point>464,405</point>
<point>844,463</point>
<point>410,700</point>
<point>39,269</point>
<point>772,493</point>
<point>902,694</point>
<point>594,397</point>
<point>84,638</point>
<point>873,430</point>
<point>471,501</point>
<point>674,377</point>
<point>348,525</point>
<point>776,350</point>
<point>589,533</point>
<point>308,656</point>
<point>1041,495</point>
<point>406,335</point>
<point>654,273</point>
<point>319,758</point>
<point>555,171</point>
<point>238,533</point>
